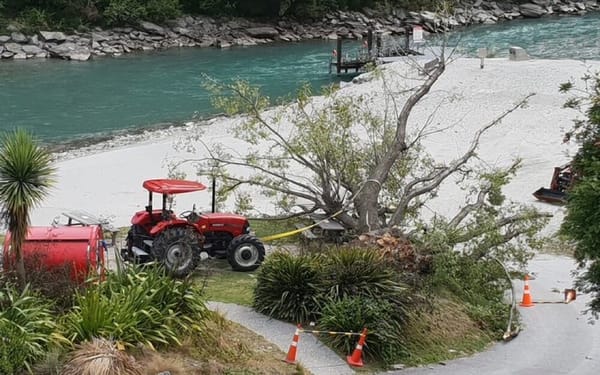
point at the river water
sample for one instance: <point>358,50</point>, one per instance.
<point>61,101</point>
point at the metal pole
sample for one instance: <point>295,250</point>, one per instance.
<point>214,194</point>
<point>370,42</point>
<point>339,55</point>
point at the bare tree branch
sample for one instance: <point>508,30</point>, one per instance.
<point>425,185</point>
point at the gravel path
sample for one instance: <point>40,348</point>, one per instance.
<point>312,354</point>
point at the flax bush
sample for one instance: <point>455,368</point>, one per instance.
<point>27,328</point>
<point>384,337</point>
<point>288,287</point>
<point>137,306</point>
<point>364,273</point>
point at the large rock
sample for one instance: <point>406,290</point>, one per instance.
<point>4,38</point>
<point>53,36</point>
<point>100,37</point>
<point>532,10</point>
<point>32,50</point>
<point>14,47</point>
<point>6,55</point>
<point>262,32</point>
<point>70,51</point>
<point>152,28</point>
<point>18,37</point>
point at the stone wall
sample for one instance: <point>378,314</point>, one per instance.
<point>222,33</point>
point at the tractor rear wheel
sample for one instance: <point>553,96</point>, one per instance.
<point>178,249</point>
<point>245,253</point>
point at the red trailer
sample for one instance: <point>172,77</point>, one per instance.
<point>78,246</point>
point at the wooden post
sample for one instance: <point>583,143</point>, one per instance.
<point>370,42</point>
<point>378,44</point>
<point>339,55</point>
<point>407,30</point>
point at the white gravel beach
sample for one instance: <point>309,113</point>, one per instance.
<point>106,179</point>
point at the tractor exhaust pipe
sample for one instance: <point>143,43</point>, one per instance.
<point>214,194</point>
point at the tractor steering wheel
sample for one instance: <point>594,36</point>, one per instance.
<point>186,214</point>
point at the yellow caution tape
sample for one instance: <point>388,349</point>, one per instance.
<point>300,230</point>
<point>331,332</point>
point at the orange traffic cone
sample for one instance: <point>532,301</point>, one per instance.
<point>570,295</point>
<point>356,358</point>
<point>527,300</point>
<point>291,355</point>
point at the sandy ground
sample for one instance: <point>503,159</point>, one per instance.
<point>106,180</point>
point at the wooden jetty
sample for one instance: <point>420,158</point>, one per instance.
<point>343,64</point>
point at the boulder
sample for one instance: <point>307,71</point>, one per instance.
<point>4,38</point>
<point>13,47</point>
<point>1,48</point>
<point>262,32</point>
<point>100,37</point>
<point>152,28</point>
<point>31,49</point>
<point>70,51</point>
<point>53,36</point>
<point>20,56</point>
<point>532,10</point>
<point>6,55</point>
<point>18,37</point>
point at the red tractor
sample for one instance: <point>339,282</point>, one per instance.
<point>177,241</point>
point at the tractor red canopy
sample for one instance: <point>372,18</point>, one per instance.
<point>165,186</point>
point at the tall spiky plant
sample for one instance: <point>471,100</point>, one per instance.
<point>26,175</point>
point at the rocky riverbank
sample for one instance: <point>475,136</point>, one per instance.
<point>201,31</point>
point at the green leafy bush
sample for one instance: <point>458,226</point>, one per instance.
<point>288,287</point>
<point>137,306</point>
<point>384,337</point>
<point>161,10</point>
<point>361,272</point>
<point>27,329</point>
<point>480,283</point>
<point>119,12</point>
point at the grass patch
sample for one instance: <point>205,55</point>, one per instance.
<point>268,227</point>
<point>442,332</point>
<point>223,348</point>
<point>224,285</point>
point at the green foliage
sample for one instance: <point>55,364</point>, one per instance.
<point>582,221</point>
<point>26,176</point>
<point>361,273</point>
<point>27,328</point>
<point>385,339</point>
<point>119,12</point>
<point>480,283</point>
<point>288,287</point>
<point>137,306</point>
<point>294,288</point>
<point>160,10</point>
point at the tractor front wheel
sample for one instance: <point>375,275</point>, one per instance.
<point>178,249</point>
<point>245,253</point>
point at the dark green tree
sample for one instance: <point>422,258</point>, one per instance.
<point>26,175</point>
<point>582,222</point>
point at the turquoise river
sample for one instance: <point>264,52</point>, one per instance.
<point>63,101</point>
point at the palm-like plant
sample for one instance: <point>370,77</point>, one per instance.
<point>26,175</point>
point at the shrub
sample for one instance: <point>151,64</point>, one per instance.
<point>120,12</point>
<point>160,10</point>
<point>479,283</point>
<point>288,287</point>
<point>137,306</point>
<point>101,356</point>
<point>361,272</point>
<point>27,328</point>
<point>384,338</point>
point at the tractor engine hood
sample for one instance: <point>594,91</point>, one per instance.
<point>218,221</point>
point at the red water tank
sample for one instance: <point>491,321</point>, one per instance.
<point>81,247</point>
